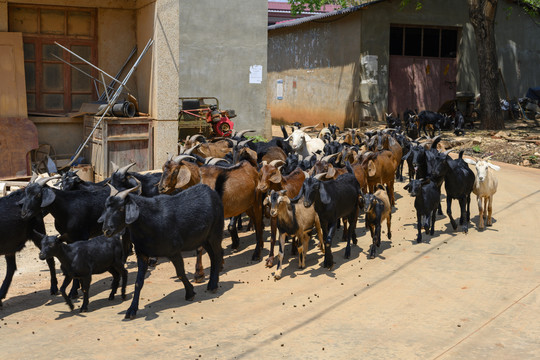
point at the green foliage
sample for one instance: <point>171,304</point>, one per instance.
<point>256,138</point>
<point>476,149</point>
<point>297,6</point>
<point>533,159</point>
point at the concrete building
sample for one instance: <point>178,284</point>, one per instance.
<point>361,62</point>
<point>201,48</point>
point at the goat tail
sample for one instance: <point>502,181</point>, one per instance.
<point>220,183</point>
<point>461,154</point>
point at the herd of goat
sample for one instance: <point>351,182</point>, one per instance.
<point>300,182</point>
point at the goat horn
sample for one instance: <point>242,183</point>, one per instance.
<point>190,150</point>
<point>44,180</point>
<point>245,142</point>
<point>34,177</point>
<point>264,163</point>
<point>448,152</point>
<point>215,161</point>
<point>241,133</point>
<point>124,170</point>
<point>122,194</point>
<point>114,166</point>
<point>113,190</point>
<point>328,157</point>
<point>197,136</point>
<point>307,127</point>
<point>169,156</point>
<point>276,163</point>
<point>320,176</point>
<point>181,157</point>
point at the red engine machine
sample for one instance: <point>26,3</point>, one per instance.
<point>202,115</point>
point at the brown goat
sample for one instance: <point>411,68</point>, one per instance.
<point>293,219</point>
<point>270,178</point>
<point>204,149</point>
<point>377,208</point>
<point>380,169</point>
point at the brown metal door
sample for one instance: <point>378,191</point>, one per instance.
<point>422,83</point>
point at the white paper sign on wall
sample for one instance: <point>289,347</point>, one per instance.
<point>279,89</point>
<point>255,74</point>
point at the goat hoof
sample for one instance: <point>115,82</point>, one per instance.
<point>255,257</point>
<point>54,291</point>
<point>270,262</point>
<point>130,314</point>
<point>111,297</point>
<point>123,296</point>
<point>190,297</point>
<point>277,276</point>
<point>198,278</point>
<point>1,303</point>
<point>83,310</point>
<point>419,239</point>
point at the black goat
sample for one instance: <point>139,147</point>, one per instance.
<point>392,122</point>
<point>416,161</point>
<point>82,259</point>
<point>458,183</point>
<point>165,226</point>
<point>75,212</point>
<point>429,118</point>
<point>122,179</point>
<point>459,124</point>
<point>71,181</point>
<point>16,231</point>
<point>333,199</point>
<point>427,199</point>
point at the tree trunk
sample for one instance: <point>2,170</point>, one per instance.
<point>482,16</point>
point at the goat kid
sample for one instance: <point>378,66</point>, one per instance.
<point>293,220</point>
<point>82,259</point>
<point>377,208</point>
<point>427,199</point>
<point>485,186</point>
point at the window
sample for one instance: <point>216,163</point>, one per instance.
<point>52,86</point>
<point>423,41</point>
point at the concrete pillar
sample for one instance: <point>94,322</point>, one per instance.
<point>164,108</point>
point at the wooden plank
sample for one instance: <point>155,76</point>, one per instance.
<point>17,137</point>
<point>12,85</point>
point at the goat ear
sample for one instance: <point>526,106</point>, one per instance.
<point>183,177</point>
<point>101,218</point>
<point>494,167</point>
<point>325,199</point>
<point>372,170</point>
<point>132,212</point>
<point>331,172</point>
<point>266,200</point>
<point>276,178</point>
<point>470,161</point>
<point>48,197</point>
<point>406,187</point>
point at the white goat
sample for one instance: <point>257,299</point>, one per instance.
<point>485,186</point>
<point>303,144</point>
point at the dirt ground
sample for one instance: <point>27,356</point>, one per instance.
<point>453,296</point>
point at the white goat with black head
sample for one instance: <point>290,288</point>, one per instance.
<point>485,186</point>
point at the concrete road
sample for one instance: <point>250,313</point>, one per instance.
<point>454,296</point>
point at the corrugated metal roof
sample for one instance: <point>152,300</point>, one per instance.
<point>322,16</point>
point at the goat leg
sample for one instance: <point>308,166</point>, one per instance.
<point>52,271</point>
<point>115,282</point>
<point>234,233</point>
<point>419,227</point>
<point>281,250</point>
<point>489,202</point>
<point>65,283</point>
<point>449,212</point>
<point>142,267</point>
<point>273,231</point>
<point>433,218</point>
<point>11,267</point>
<point>480,200</point>
<point>328,258</point>
<point>199,269</point>
<point>85,286</point>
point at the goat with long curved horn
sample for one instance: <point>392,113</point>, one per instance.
<point>123,170</point>
<point>181,157</point>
